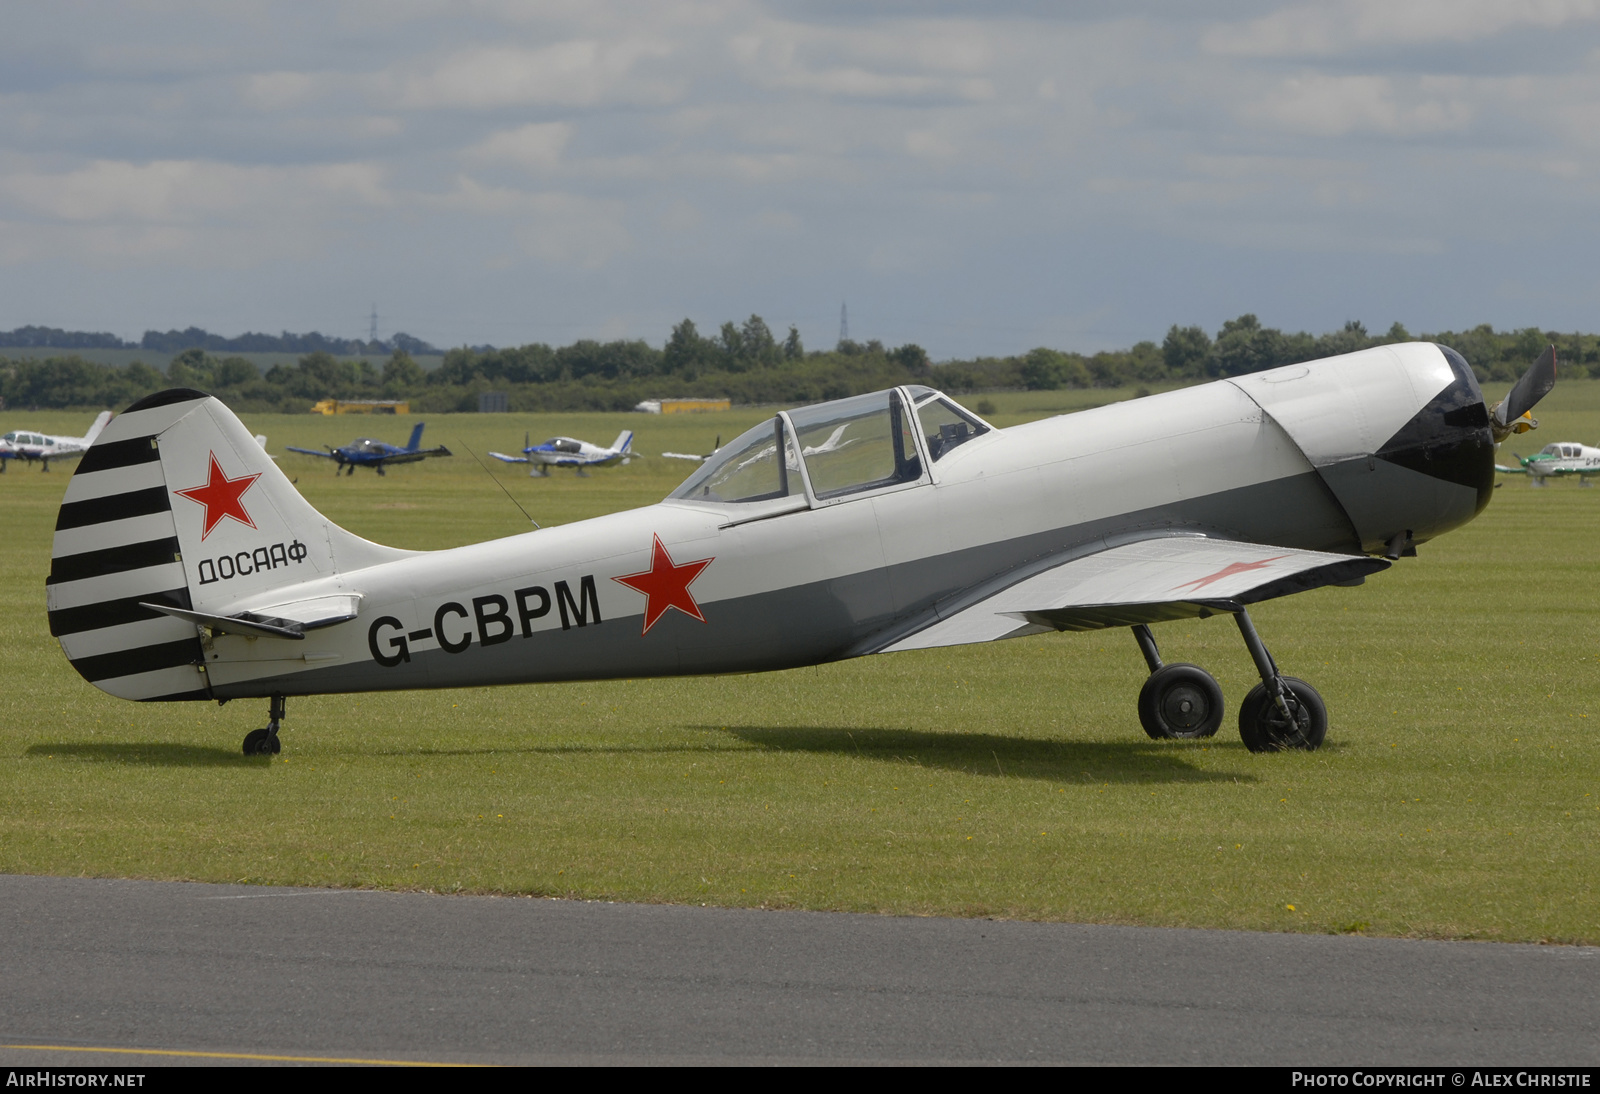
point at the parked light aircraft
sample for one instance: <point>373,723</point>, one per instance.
<point>187,567</point>
<point>25,444</point>
<point>715,448</point>
<point>366,452</point>
<point>1556,461</point>
<point>571,452</point>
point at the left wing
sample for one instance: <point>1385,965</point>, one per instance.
<point>509,459</point>
<point>1147,581</point>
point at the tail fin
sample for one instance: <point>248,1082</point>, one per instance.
<point>99,424</point>
<point>623,442</point>
<point>175,505</point>
<point>416,438</point>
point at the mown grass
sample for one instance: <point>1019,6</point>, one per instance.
<point>1456,797</point>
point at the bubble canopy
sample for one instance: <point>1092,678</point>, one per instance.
<point>847,446</point>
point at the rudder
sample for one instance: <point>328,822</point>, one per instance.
<point>176,505</point>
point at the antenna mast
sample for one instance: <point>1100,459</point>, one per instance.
<point>372,334</point>
<point>844,324</point>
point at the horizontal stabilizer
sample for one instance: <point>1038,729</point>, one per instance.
<point>1150,581</point>
<point>278,621</point>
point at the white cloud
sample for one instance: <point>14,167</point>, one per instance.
<point>1330,106</point>
<point>559,228</point>
<point>1331,28</point>
<point>192,212</point>
<point>537,147</point>
<point>190,191</point>
<point>575,73</point>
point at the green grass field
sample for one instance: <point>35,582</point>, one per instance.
<point>1457,795</point>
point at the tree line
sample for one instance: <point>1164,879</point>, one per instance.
<point>744,362</point>
<point>176,341</point>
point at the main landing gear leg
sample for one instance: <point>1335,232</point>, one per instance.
<point>1282,711</point>
<point>264,742</point>
<point>1178,700</point>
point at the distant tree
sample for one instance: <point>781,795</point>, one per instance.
<point>233,372</point>
<point>191,368</point>
<point>686,352</point>
<point>1351,337</point>
<point>731,341</point>
<point>756,344</point>
<point>1243,346</point>
<point>792,349</point>
<point>402,375</point>
<point>1186,352</point>
<point>913,358</point>
<point>1047,369</point>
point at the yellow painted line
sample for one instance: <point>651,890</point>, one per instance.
<point>240,1056</point>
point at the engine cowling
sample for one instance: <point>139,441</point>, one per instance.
<point>1399,434</point>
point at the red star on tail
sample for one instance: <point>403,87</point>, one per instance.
<point>1227,571</point>
<point>666,585</point>
<point>220,495</point>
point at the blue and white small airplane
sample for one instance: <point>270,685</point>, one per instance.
<point>366,452</point>
<point>571,452</point>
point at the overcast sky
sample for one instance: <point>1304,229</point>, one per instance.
<point>978,178</point>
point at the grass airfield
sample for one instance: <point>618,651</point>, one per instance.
<point>1457,796</point>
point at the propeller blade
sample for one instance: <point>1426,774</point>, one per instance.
<point>1534,385</point>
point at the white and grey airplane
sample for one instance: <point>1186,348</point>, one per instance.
<point>26,444</point>
<point>571,452</point>
<point>187,567</point>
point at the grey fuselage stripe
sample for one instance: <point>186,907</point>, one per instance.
<point>830,619</point>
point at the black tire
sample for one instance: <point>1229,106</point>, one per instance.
<point>260,742</point>
<point>1180,701</point>
<point>1263,727</point>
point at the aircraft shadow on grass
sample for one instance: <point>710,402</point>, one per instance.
<point>148,754</point>
<point>996,756</point>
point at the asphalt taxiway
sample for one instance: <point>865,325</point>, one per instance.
<point>220,973</point>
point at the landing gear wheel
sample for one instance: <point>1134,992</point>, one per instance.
<point>1264,728</point>
<point>261,742</point>
<point>1180,701</point>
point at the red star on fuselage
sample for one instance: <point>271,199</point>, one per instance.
<point>1227,571</point>
<point>221,497</point>
<point>666,585</point>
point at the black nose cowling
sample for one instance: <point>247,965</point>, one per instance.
<point>1449,439</point>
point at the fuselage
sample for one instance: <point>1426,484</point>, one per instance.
<point>1351,455</point>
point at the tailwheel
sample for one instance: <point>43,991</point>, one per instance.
<point>261,742</point>
<point>264,742</point>
<point>1266,726</point>
<point>1180,701</point>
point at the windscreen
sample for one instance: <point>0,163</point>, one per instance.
<point>856,444</point>
<point>945,425</point>
<point>746,469</point>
